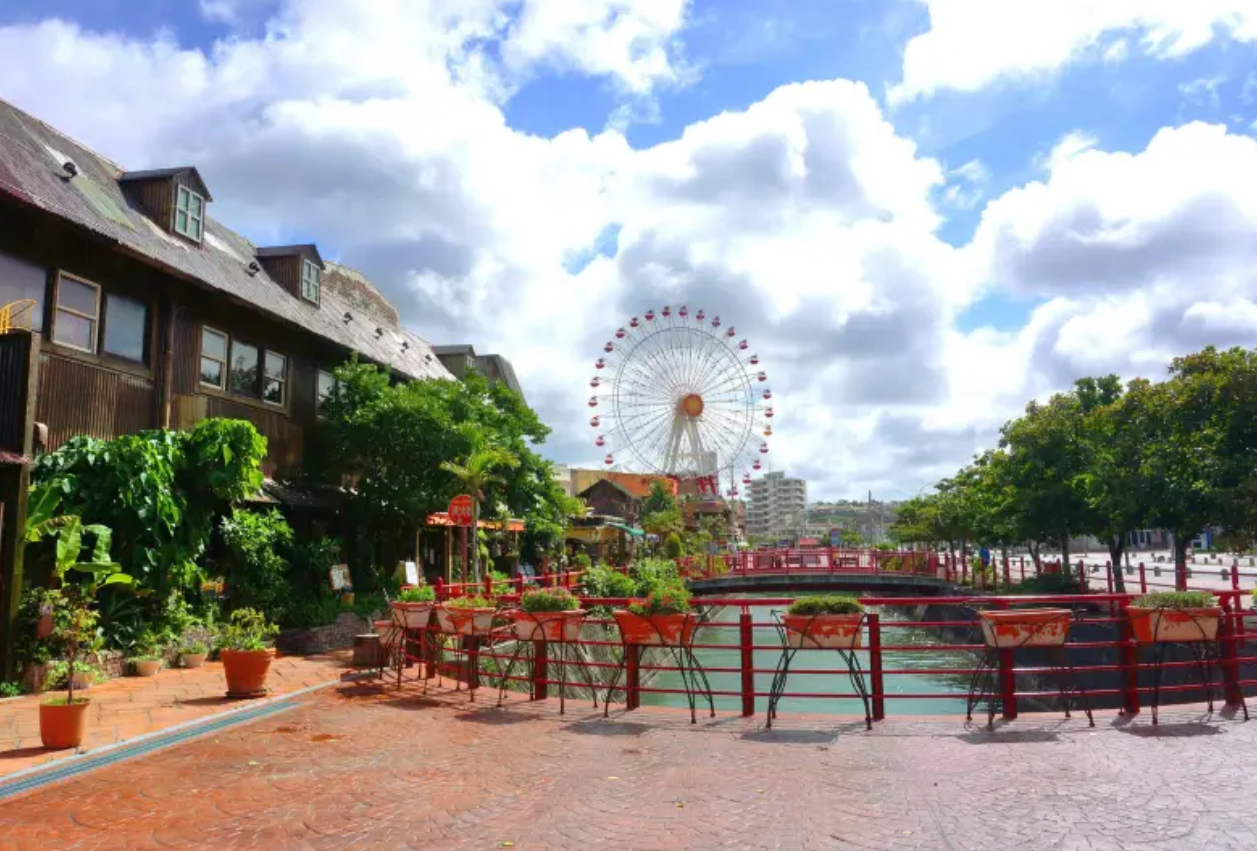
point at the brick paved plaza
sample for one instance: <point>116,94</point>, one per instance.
<point>352,767</point>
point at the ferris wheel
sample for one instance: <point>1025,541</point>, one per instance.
<point>676,393</point>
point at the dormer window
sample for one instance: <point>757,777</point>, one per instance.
<point>189,214</point>
<point>309,281</point>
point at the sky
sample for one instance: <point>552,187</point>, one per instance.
<point>922,213</point>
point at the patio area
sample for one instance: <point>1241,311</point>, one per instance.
<point>355,766</point>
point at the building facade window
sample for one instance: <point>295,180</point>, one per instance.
<point>126,328</point>
<point>243,368</point>
<point>20,282</point>
<point>189,214</point>
<point>323,389</point>
<point>78,314</point>
<point>213,358</point>
<point>310,281</point>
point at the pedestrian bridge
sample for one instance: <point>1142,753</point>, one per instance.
<point>785,582</point>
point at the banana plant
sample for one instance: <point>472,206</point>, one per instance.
<point>42,521</point>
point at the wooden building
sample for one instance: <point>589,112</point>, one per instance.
<point>146,312</point>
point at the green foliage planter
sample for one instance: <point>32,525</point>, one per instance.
<point>466,616</point>
<point>193,655</point>
<point>145,666</point>
<point>1178,616</point>
<point>246,652</point>
<point>548,615</point>
<point>664,619</point>
<point>413,607</point>
<point>825,622</point>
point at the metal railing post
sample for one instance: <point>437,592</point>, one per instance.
<point>877,686</point>
<point>633,677</point>
<point>1130,662</point>
<point>540,671</point>
<point>1230,665</point>
<point>746,640</point>
<point>1143,579</point>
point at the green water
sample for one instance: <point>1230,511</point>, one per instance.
<point>920,664</point>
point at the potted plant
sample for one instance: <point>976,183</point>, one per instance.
<point>246,652</point>
<point>146,663</point>
<point>1175,616</point>
<point>1033,627</point>
<point>193,654</point>
<point>664,618</point>
<point>414,606</point>
<point>548,615</point>
<point>63,721</point>
<point>832,621</point>
<point>466,615</point>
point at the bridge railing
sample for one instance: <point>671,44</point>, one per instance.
<point>812,560</point>
<point>909,667</point>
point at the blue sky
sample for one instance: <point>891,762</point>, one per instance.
<point>476,233</point>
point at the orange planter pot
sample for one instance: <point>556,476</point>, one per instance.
<point>246,671</point>
<point>656,630</point>
<point>1031,628</point>
<point>62,727</point>
<point>414,615</point>
<point>832,632</point>
<point>1153,625</point>
<point>549,626</point>
<point>469,621</point>
<point>193,660</point>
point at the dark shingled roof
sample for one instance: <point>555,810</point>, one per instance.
<point>31,158</point>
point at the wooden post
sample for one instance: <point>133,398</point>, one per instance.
<point>19,385</point>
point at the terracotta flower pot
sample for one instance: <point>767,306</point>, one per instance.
<point>1027,628</point>
<point>63,725</point>
<point>413,615</point>
<point>833,632</point>
<point>44,627</point>
<point>1153,625</point>
<point>193,660</point>
<point>656,630</point>
<point>548,626</point>
<point>246,671</point>
<point>146,667</point>
<point>387,630</point>
<point>471,621</point>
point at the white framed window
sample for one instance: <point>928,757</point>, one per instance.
<point>213,358</point>
<point>310,281</point>
<point>77,317</point>
<point>189,214</point>
<point>274,378</point>
<point>323,389</point>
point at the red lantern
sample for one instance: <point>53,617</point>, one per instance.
<point>715,322</point>
<point>619,335</point>
<point>763,376</point>
<point>700,316</point>
<point>757,465</point>
<point>684,311</point>
<point>633,323</point>
<point>744,345</point>
<point>594,422</point>
<point>600,442</point>
<point>768,394</point>
<point>609,347</point>
<point>608,460</point>
<point>650,316</point>
<point>667,311</point>
<point>593,401</point>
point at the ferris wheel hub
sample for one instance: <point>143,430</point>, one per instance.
<point>692,405</point>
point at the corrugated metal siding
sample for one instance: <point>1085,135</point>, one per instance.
<point>80,398</point>
<point>14,358</point>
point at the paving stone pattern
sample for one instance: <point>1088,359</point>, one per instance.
<point>356,768</point>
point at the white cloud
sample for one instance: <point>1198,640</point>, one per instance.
<point>972,44</point>
<point>806,219</point>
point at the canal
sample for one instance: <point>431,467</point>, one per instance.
<point>928,691</point>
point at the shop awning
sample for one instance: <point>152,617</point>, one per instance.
<point>638,533</point>
<point>442,518</point>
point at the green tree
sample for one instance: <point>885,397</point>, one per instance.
<point>475,473</point>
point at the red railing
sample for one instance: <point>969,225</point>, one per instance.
<point>740,668</point>
<point>811,560</point>
<point>487,587</point>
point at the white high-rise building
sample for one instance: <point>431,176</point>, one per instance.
<point>778,507</point>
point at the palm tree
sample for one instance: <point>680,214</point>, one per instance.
<point>474,474</point>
